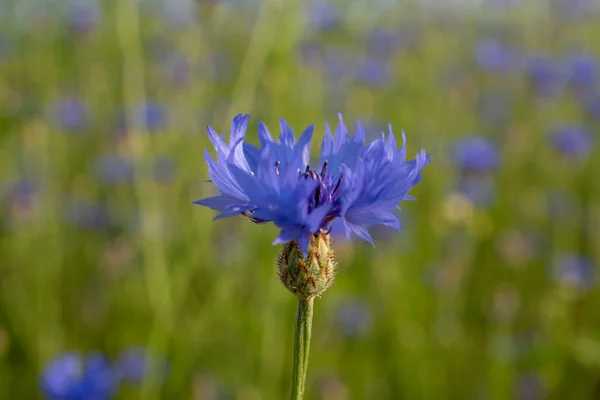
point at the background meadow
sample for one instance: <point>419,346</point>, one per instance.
<point>489,292</point>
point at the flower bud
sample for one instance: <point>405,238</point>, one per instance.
<point>311,276</point>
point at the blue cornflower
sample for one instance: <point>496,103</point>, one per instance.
<point>136,363</point>
<point>373,72</point>
<point>71,377</point>
<point>582,70</point>
<point>113,168</point>
<point>477,154</point>
<point>353,317</point>
<point>152,115</point>
<point>495,56</point>
<point>545,75</point>
<point>357,184</point>
<point>84,15</point>
<point>573,270</point>
<point>323,16</point>
<point>72,114</point>
<point>572,140</point>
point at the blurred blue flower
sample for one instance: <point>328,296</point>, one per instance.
<point>179,13</point>
<point>476,154</point>
<point>310,53</point>
<point>17,201</point>
<point>373,72</point>
<point>357,184</point>
<point>152,115</point>
<point>480,189</point>
<point>353,318</point>
<point>573,270</point>
<point>545,75</point>
<point>323,16</point>
<point>136,363</point>
<point>582,70</point>
<point>87,214</point>
<point>71,377</point>
<point>495,56</point>
<point>84,15</point>
<point>112,168</point>
<point>529,386</point>
<point>382,43</point>
<point>22,191</point>
<point>176,68</point>
<point>72,114</point>
<point>572,140</point>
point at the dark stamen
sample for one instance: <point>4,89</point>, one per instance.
<point>324,169</point>
<point>277,167</point>
<point>318,195</point>
<point>307,168</point>
<point>337,185</point>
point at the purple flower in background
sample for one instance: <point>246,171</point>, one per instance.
<point>360,185</point>
<point>72,114</point>
<point>476,154</point>
<point>176,68</point>
<point>84,15</point>
<point>310,53</point>
<point>582,71</point>
<point>17,201</point>
<point>353,318</point>
<point>495,56</point>
<point>72,377</point>
<point>373,72</point>
<point>530,386</point>
<point>323,16</point>
<point>112,168</point>
<point>21,191</point>
<point>382,43</point>
<point>179,13</point>
<point>572,140</point>
<point>152,115</point>
<point>573,270</point>
<point>87,215</point>
<point>480,189</point>
<point>135,364</point>
<point>545,75</point>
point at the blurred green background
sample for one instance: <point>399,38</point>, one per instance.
<point>490,291</point>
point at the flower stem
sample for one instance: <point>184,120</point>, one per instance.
<point>302,330</point>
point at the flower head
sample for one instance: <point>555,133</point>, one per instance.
<point>136,363</point>
<point>476,154</point>
<point>573,270</point>
<point>70,376</point>
<point>572,140</point>
<point>357,184</point>
<point>495,56</point>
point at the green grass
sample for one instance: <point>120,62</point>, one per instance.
<point>451,314</point>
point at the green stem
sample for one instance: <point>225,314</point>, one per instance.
<point>302,331</point>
